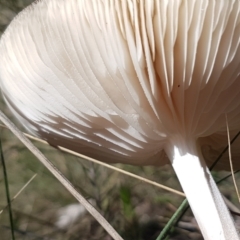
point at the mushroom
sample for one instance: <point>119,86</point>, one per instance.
<point>137,82</point>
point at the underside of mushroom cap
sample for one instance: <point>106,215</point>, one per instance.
<point>124,77</point>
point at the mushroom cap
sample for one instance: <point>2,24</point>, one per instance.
<point>115,80</point>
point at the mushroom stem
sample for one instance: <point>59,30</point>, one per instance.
<point>202,193</point>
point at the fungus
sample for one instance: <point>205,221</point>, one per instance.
<point>137,82</point>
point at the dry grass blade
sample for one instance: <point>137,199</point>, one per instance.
<point>60,177</point>
<point>230,160</point>
<point>20,191</point>
<point>123,171</point>
<point>107,165</point>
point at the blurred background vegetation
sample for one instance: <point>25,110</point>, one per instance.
<point>45,210</point>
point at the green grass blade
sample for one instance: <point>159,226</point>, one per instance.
<point>173,220</point>
<point>7,191</point>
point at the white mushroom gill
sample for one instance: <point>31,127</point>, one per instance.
<point>132,80</point>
